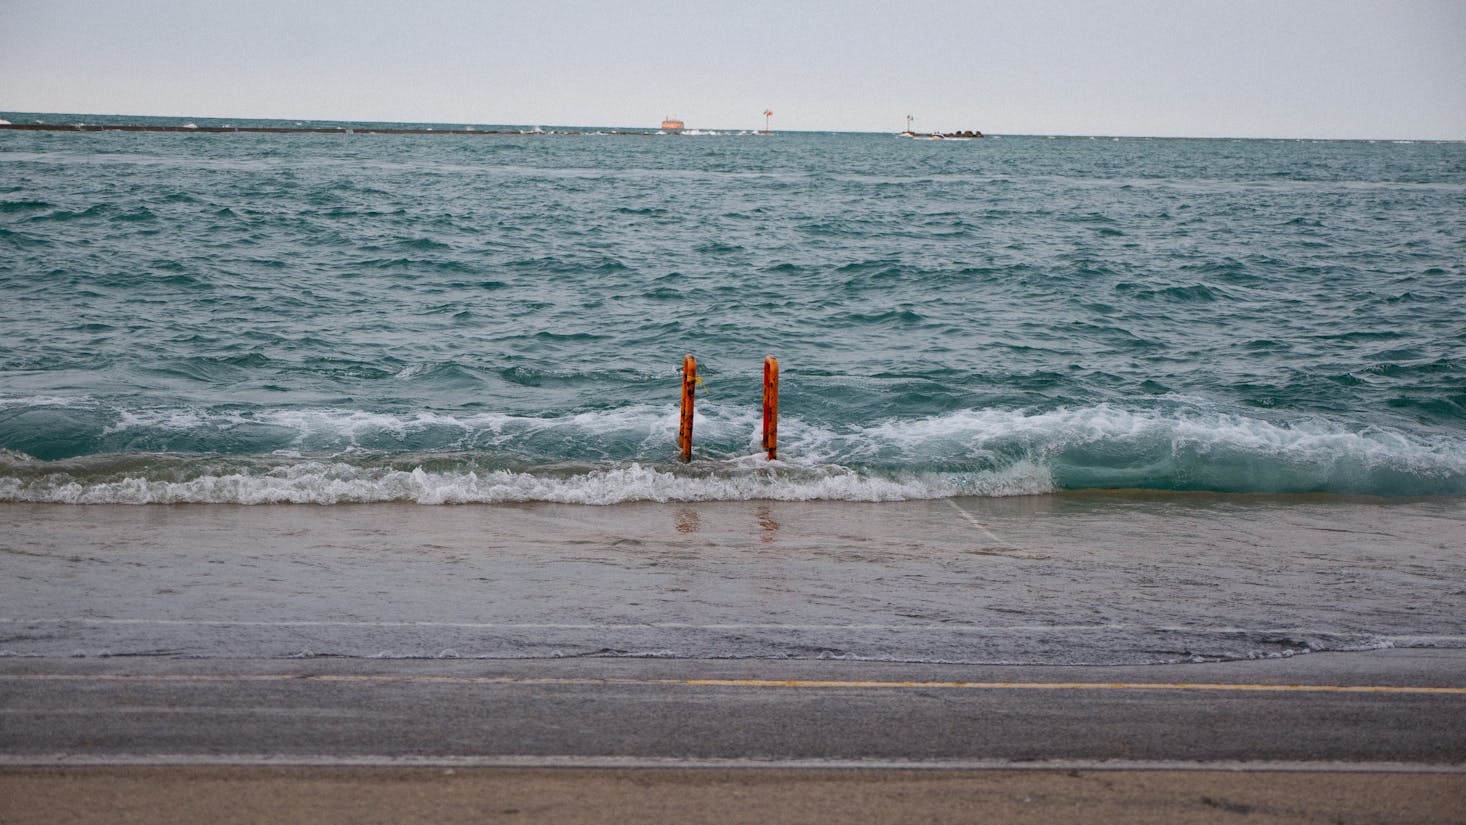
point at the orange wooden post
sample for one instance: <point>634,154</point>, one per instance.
<point>689,388</point>
<point>771,406</point>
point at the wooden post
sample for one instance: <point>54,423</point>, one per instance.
<point>771,406</point>
<point>689,388</point>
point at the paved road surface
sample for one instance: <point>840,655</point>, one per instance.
<point>1325,738</point>
<point>1399,707</point>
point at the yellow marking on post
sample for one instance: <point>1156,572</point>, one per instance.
<point>808,684</point>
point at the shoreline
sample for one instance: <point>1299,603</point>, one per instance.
<point>1047,580</point>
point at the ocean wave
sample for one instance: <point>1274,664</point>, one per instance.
<point>326,456</point>
<point>1108,447</point>
<point>344,483</point>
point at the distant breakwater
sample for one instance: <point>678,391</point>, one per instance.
<point>320,130</point>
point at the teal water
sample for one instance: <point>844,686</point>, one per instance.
<point>437,318</point>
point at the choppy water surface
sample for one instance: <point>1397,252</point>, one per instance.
<point>258,318</point>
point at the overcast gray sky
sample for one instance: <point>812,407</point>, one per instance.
<point>1246,68</point>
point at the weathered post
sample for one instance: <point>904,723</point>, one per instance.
<point>771,406</point>
<point>689,388</point>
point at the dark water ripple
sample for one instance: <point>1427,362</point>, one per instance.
<point>1234,315</point>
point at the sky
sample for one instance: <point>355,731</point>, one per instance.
<point>1244,68</point>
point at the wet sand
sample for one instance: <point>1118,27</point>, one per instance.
<point>1069,579</point>
<point>227,795</point>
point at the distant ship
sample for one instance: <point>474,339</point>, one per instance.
<point>673,125</point>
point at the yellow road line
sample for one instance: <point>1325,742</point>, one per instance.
<point>1233,686</point>
<point>818,684</point>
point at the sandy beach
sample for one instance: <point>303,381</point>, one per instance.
<point>357,795</point>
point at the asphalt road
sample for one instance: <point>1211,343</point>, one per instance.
<point>1403,707</point>
<point>1359,737</point>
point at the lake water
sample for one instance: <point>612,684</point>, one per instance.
<point>1043,400</point>
<point>260,318</point>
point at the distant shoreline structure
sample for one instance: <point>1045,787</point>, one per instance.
<point>588,131</point>
<point>313,130</point>
<point>960,135</point>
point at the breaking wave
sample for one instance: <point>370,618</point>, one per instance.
<point>79,451</point>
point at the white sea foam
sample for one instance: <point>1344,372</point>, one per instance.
<point>327,456</point>
<point>341,483</point>
<point>45,401</point>
<point>348,427</point>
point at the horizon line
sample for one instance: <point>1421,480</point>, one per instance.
<point>485,125</point>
